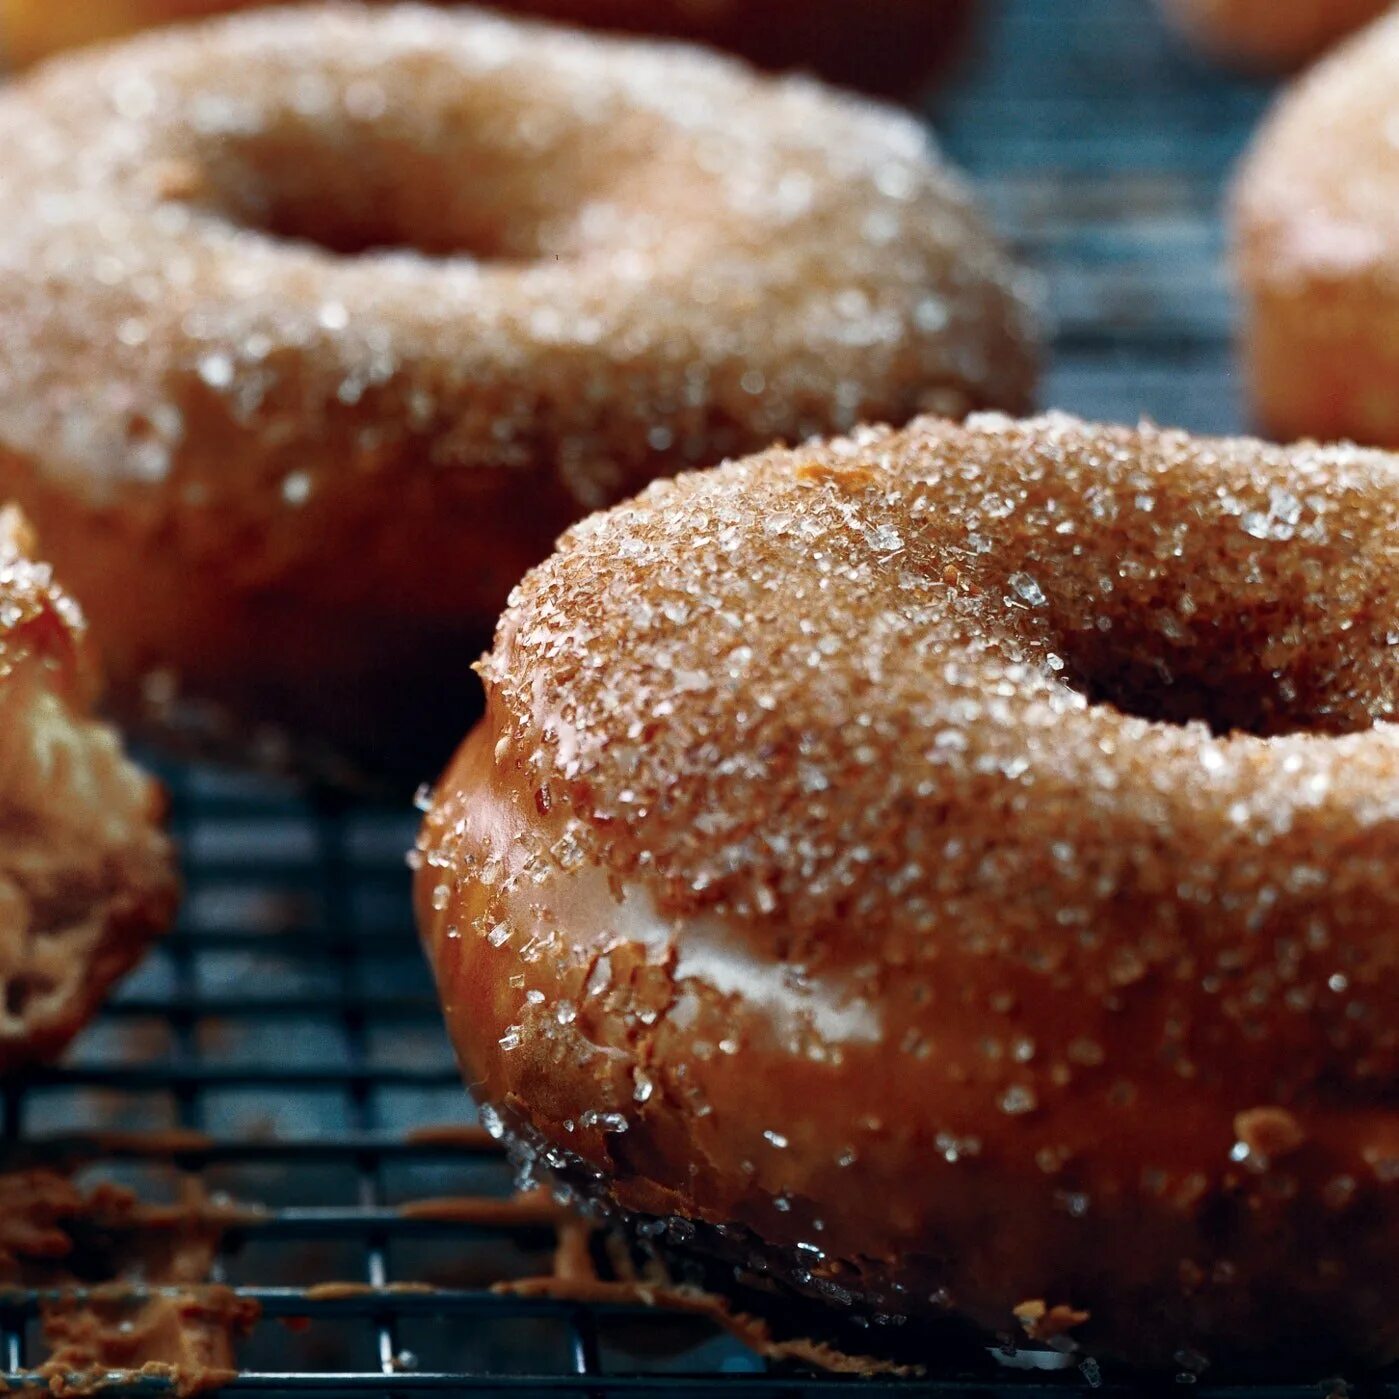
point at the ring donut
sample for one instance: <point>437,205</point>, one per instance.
<point>1316,250</point>
<point>1270,35</point>
<point>318,326</point>
<point>885,46</point>
<point>950,874</point>
<point>86,872</point>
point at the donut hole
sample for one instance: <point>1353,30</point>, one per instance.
<point>349,232</point>
<point>386,196</point>
<point>1235,678</point>
<point>463,187</point>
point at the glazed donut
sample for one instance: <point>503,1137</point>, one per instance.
<point>1316,250</point>
<point>295,404</point>
<point>887,46</point>
<point>950,874</point>
<point>1270,35</point>
<point>86,872</point>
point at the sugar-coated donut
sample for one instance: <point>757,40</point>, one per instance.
<point>317,327</point>
<point>888,46</point>
<point>86,871</point>
<point>951,873</point>
<point>1271,35</point>
<point>1316,250</point>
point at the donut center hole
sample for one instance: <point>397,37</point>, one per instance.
<point>1224,682</point>
<point>361,191</point>
<point>354,225</point>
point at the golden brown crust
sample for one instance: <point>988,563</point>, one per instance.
<point>959,863</point>
<point>86,872</point>
<point>887,46</point>
<point>1317,250</point>
<point>1270,35</point>
<point>293,480</point>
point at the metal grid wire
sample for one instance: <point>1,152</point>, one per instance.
<point>291,1019</point>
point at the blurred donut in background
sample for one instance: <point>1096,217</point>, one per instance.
<point>318,326</point>
<point>884,46</point>
<point>1316,250</point>
<point>1269,35</point>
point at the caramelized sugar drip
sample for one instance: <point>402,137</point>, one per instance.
<point>142,1305</point>
<point>126,1286</point>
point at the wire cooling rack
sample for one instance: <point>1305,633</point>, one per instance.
<point>291,1019</point>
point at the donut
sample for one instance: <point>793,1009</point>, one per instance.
<point>885,46</point>
<point>949,875</point>
<point>1316,250</point>
<point>86,871</point>
<point>1269,35</point>
<point>294,402</point>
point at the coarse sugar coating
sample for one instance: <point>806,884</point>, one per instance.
<point>953,870</point>
<point>317,326</point>
<point>1316,249</point>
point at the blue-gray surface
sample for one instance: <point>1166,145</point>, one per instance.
<point>1105,150</point>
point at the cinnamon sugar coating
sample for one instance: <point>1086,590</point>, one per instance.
<point>956,866</point>
<point>1316,249</point>
<point>317,327</point>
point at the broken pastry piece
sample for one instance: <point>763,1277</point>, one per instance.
<point>87,876</point>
